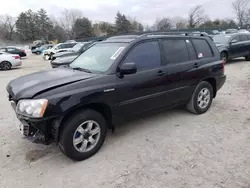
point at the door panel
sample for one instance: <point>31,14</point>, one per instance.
<point>236,49</point>
<point>143,90</point>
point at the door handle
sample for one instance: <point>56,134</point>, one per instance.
<point>160,73</point>
<point>196,65</point>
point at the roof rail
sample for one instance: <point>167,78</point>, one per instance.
<point>172,33</point>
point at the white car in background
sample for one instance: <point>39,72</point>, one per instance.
<point>61,47</point>
<point>8,61</point>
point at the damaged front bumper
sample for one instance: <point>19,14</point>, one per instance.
<point>38,130</point>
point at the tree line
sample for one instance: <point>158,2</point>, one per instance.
<point>30,25</point>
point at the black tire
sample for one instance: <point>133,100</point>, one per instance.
<point>38,53</point>
<point>50,56</point>
<point>224,56</point>
<point>5,65</point>
<point>247,58</point>
<point>193,105</point>
<point>68,131</point>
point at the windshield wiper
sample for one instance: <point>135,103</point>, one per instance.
<point>82,69</point>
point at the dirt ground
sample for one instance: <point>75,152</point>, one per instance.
<point>169,149</point>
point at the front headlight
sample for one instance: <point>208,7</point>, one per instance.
<point>32,108</point>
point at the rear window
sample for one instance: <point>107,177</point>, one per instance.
<point>202,48</point>
<point>175,50</point>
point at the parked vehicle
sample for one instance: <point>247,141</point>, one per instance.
<point>62,61</point>
<point>231,31</point>
<point>8,61</point>
<point>76,50</point>
<point>40,50</point>
<point>112,80</point>
<point>61,47</point>
<point>65,58</point>
<point>13,50</point>
<point>243,31</point>
<point>233,46</point>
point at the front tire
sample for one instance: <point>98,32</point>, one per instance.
<point>224,56</point>
<point>201,99</point>
<point>83,134</point>
<point>38,53</point>
<point>247,58</point>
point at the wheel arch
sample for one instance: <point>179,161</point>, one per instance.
<point>212,82</point>
<point>102,108</point>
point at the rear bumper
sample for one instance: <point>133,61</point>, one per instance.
<point>17,64</point>
<point>220,80</point>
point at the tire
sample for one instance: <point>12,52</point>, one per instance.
<point>50,56</point>
<point>5,65</point>
<point>247,58</point>
<point>224,56</point>
<point>69,134</point>
<point>198,98</point>
<point>38,53</point>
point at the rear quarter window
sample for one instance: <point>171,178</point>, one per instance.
<point>202,48</point>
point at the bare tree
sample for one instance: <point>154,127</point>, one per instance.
<point>163,24</point>
<point>8,24</point>
<point>240,8</point>
<point>68,19</point>
<point>195,16</point>
<point>179,22</point>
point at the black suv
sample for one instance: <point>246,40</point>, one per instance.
<point>114,79</point>
<point>233,46</point>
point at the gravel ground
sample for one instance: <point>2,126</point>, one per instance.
<point>169,149</point>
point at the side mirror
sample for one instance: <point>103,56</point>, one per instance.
<point>233,41</point>
<point>128,68</point>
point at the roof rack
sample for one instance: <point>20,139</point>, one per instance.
<point>172,33</point>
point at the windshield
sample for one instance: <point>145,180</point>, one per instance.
<point>77,47</point>
<point>99,57</point>
<point>221,39</point>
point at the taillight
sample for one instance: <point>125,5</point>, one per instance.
<point>16,57</point>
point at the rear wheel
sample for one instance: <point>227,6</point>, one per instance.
<point>201,99</point>
<point>224,56</point>
<point>5,65</point>
<point>83,134</point>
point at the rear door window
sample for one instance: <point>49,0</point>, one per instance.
<point>248,36</point>
<point>202,48</point>
<point>175,50</point>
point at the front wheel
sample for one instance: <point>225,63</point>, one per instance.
<point>247,58</point>
<point>224,56</point>
<point>83,134</point>
<point>201,99</point>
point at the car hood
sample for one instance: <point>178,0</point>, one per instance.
<point>64,60</point>
<point>30,85</point>
<point>60,54</point>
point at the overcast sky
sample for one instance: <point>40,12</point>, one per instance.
<point>145,11</point>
